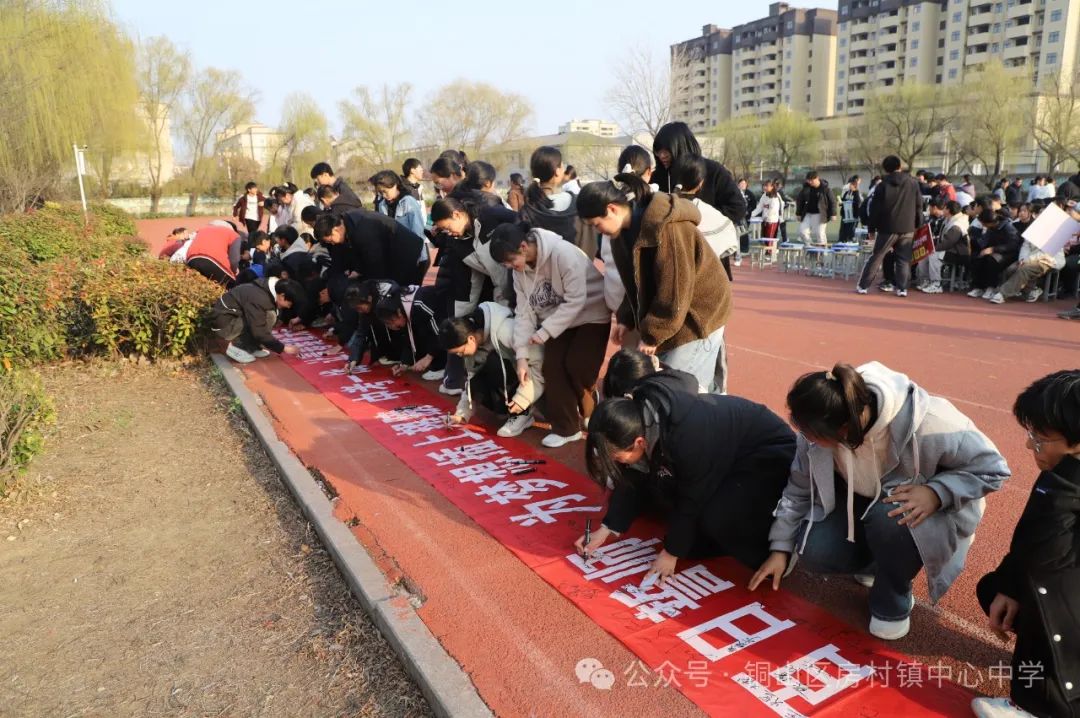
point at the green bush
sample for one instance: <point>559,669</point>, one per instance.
<point>139,306</point>
<point>25,410</point>
<point>66,289</point>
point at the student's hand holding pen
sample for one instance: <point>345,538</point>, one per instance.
<point>596,540</point>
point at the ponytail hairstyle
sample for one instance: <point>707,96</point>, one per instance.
<point>506,239</point>
<point>447,168</point>
<point>456,156</point>
<point>390,307</point>
<point>455,331</point>
<point>387,179</point>
<point>571,173</point>
<point>626,189</point>
<point>517,180</point>
<point>479,174</point>
<point>830,405</point>
<point>543,165</point>
<point>624,370</point>
<point>444,209</point>
<point>636,159</point>
<point>614,426</point>
<point>365,292</point>
<point>688,172</point>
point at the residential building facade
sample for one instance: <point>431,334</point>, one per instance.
<point>600,128</point>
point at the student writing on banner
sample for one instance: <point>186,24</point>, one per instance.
<point>887,480</point>
<point>713,465</point>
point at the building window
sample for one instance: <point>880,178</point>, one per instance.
<point>842,73</point>
<point>952,74</point>
<point>937,78</point>
<point>1051,58</point>
<point>787,99</point>
<point>843,42</point>
<point>787,84</point>
<point>913,62</point>
<point>839,106</point>
<point>840,91</point>
<point>1053,37</point>
<point>956,16</point>
<point>915,26</point>
<point>955,36</point>
<point>1055,16</point>
<point>843,59</point>
<point>914,44</point>
<point>790,25</point>
<point>998,7</point>
<point>994,47</point>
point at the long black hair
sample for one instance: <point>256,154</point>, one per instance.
<point>455,331</point>
<point>688,172</point>
<point>447,167</point>
<point>614,426</point>
<point>831,405</point>
<point>480,173</point>
<point>624,370</point>
<point>676,138</point>
<point>636,159</point>
<point>444,209</point>
<point>626,189</point>
<point>387,179</point>
<point>543,164</point>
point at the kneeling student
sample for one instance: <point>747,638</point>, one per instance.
<point>364,332</point>
<point>485,340</point>
<point>417,310</point>
<point>715,465</point>
<point>1035,592</point>
<point>245,315</point>
<point>887,480</point>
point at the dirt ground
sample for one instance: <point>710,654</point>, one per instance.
<point>153,564</point>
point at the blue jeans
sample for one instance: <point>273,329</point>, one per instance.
<point>882,548</point>
<point>698,358</point>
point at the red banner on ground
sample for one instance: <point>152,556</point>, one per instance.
<point>730,651</point>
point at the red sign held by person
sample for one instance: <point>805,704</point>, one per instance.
<point>923,244</point>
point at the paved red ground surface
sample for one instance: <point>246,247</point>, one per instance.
<point>519,639</point>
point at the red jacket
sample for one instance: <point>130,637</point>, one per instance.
<point>220,245</point>
<point>947,191</point>
<point>239,209</point>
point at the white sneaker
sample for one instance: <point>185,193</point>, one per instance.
<point>238,355</point>
<point>997,298</point>
<point>864,579</point>
<point>260,353</point>
<point>901,292</point>
<point>516,425</point>
<point>554,441</point>
<point>860,290</point>
<point>738,261</point>
<point>975,293</point>
<point>1034,296</point>
<point>990,291</point>
<point>444,389</point>
<point>997,708</point>
<point>891,630</point>
<point>933,288</point>
<point>433,375</point>
<point>387,361</point>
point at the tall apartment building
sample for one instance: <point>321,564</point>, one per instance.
<point>827,63</point>
<point>787,58</point>
<point>884,43</point>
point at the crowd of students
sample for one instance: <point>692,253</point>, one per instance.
<point>878,478</point>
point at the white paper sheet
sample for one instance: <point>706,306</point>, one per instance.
<point>1052,230</point>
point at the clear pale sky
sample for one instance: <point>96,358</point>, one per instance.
<point>558,54</point>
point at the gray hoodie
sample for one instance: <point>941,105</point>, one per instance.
<point>499,337</point>
<point>930,442</point>
<point>563,290</point>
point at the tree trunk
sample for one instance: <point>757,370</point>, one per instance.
<point>155,199</point>
<point>193,199</point>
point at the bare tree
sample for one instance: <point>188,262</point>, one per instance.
<point>991,124</point>
<point>474,116</point>
<point>216,100</point>
<point>163,74</point>
<point>793,138</point>
<point>641,97</point>
<point>742,144</point>
<point>907,119</point>
<point>377,125</point>
<point>1056,120</point>
<point>305,133</point>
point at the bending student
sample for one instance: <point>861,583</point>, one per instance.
<point>714,465</point>
<point>485,340</point>
<point>887,480</point>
